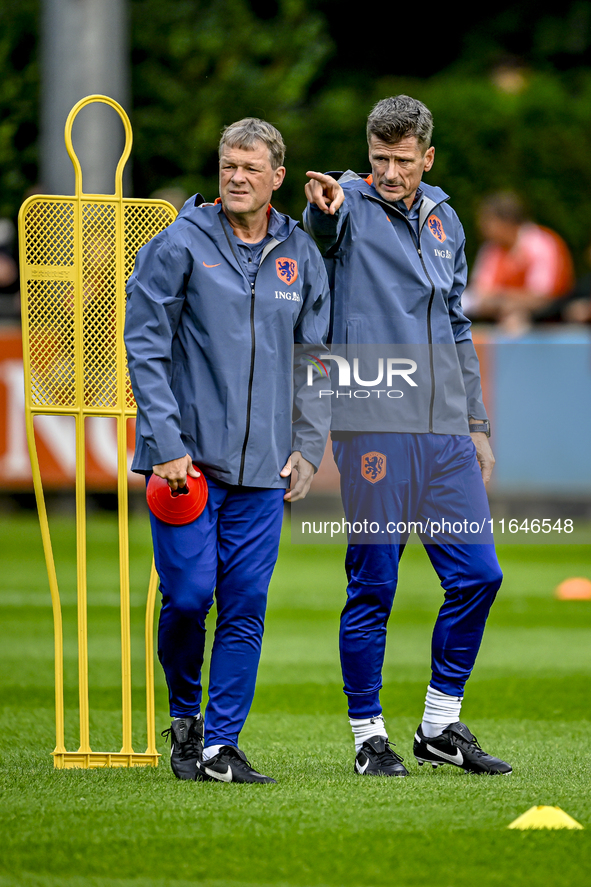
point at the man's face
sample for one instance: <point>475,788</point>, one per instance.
<point>397,168</point>
<point>247,179</point>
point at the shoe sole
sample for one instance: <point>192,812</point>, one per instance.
<point>367,772</point>
<point>436,764</point>
<point>200,778</point>
<point>205,777</point>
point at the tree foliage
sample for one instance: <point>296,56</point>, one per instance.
<point>19,100</point>
<point>198,66</point>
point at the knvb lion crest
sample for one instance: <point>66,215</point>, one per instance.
<point>287,270</point>
<point>373,467</point>
<point>436,228</point>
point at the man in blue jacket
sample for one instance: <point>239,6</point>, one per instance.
<point>216,304</point>
<point>411,443</point>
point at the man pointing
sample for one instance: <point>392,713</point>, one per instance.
<point>421,457</point>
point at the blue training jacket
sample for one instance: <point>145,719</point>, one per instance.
<point>392,286</point>
<point>210,356</point>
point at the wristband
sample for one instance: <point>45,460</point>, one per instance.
<point>482,425</point>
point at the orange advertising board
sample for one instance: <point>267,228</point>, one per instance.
<point>55,435</point>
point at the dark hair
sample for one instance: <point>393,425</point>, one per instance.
<point>398,116</point>
<point>504,205</point>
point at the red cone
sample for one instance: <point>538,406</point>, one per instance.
<point>181,507</point>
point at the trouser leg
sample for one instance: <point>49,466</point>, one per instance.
<point>186,561</point>
<point>471,577</point>
<point>469,570</point>
<point>372,571</point>
<point>248,541</point>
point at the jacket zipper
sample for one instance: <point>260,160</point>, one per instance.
<point>429,335</point>
<point>252,356</point>
<point>417,241</point>
<point>250,379</point>
<point>252,350</point>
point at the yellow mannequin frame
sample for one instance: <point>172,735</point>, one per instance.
<point>76,254</point>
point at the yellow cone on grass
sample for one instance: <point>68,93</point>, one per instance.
<point>544,817</point>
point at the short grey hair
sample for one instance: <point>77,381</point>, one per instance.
<point>394,118</point>
<point>247,132</point>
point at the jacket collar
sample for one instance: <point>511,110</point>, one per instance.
<point>279,228</point>
<point>200,214</point>
<point>431,195</point>
<point>210,219</point>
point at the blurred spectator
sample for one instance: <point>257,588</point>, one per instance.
<point>519,269</point>
<point>9,281</point>
<point>575,307</point>
<point>578,307</point>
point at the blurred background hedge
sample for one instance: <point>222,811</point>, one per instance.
<point>510,90</point>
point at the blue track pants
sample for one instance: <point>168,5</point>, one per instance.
<point>229,551</point>
<point>424,477</point>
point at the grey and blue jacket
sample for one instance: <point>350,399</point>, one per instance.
<point>210,355</point>
<point>397,280</point>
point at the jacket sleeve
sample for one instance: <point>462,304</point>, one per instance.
<point>155,299</point>
<point>463,337</point>
<point>311,413</point>
<point>325,229</point>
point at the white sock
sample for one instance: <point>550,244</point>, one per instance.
<point>365,728</point>
<point>211,751</point>
<point>441,710</point>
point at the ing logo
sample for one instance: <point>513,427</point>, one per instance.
<point>287,270</point>
<point>373,466</point>
<point>436,228</point>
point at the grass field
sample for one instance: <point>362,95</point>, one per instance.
<point>320,826</point>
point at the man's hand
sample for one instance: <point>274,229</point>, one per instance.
<point>484,454</point>
<point>324,192</point>
<point>176,471</point>
<point>305,470</point>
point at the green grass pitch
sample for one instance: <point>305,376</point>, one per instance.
<point>321,826</point>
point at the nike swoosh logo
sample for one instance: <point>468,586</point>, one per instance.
<point>361,769</point>
<point>223,777</point>
<point>205,265</point>
<point>458,758</point>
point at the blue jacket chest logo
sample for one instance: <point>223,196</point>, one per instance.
<point>287,269</point>
<point>436,228</point>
